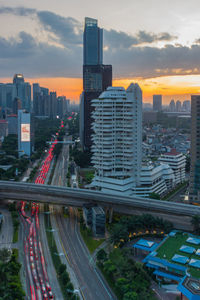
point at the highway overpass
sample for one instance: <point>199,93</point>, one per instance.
<point>82,197</point>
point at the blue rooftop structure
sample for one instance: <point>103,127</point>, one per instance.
<point>197,252</point>
<point>145,245</point>
<point>166,275</point>
<point>151,258</point>
<point>187,249</point>
<point>180,259</point>
<point>172,233</point>
<point>193,240</point>
<point>194,263</point>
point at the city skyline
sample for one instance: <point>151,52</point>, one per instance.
<point>72,88</point>
<point>46,45</point>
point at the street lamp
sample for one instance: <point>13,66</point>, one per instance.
<point>75,292</point>
<point>59,254</point>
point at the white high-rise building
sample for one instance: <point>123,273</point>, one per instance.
<point>117,139</point>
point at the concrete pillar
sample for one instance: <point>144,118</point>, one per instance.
<point>110,214</point>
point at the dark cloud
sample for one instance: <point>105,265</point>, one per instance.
<point>18,11</point>
<point>35,59</point>
<point>152,62</point>
<point>127,53</point>
<point>68,30</point>
<point>121,39</point>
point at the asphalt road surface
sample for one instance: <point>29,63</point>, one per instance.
<point>6,233</point>
<point>92,284</point>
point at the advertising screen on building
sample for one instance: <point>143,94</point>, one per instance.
<point>25,132</point>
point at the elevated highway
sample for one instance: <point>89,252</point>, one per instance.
<point>81,197</point>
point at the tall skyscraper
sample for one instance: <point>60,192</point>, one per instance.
<point>23,91</point>
<point>157,102</point>
<point>117,139</point>
<point>195,149</point>
<point>96,76</point>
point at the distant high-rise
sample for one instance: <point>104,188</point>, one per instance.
<point>40,97</point>
<point>17,104</point>
<point>186,106</point>
<point>96,76</point>
<point>195,149</point>
<point>117,139</point>
<point>23,91</point>
<point>7,94</point>
<point>157,102</point>
<point>178,106</point>
<point>172,106</point>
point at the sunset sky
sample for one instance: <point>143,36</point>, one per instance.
<point>152,42</point>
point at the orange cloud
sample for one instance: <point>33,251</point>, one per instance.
<point>177,87</point>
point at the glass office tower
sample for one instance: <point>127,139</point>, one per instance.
<point>93,43</point>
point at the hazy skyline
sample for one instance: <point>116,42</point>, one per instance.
<point>154,43</point>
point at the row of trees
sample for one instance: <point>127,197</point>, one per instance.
<point>43,133</point>
<point>129,279</point>
<point>73,126</point>
<point>10,287</point>
<point>81,158</point>
<point>120,232</point>
<point>18,165</point>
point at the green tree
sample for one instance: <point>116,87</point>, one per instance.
<point>101,255</point>
<point>154,196</point>
<point>118,233</point>
<point>131,296</point>
<point>65,278</point>
<point>4,255</point>
<point>62,269</point>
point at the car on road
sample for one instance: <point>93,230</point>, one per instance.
<point>45,297</point>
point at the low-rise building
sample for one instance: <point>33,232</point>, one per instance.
<point>98,221</point>
<point>177,162</point>
<point>3,128</point>
<point>155,179</point>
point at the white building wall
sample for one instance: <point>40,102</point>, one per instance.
<point>117,139</point>
<point>177,163</point>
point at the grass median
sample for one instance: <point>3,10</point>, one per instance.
<point>90,242</point>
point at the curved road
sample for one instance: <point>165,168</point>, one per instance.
<point>91,283</point>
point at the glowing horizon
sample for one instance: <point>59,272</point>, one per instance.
<point>171,87</point>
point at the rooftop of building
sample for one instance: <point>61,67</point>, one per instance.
<point>3,121</point>
<point>173,152</point>
<point>180,249</point>
<point>11,115</point>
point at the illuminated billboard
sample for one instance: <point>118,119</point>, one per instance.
<point>25,132</point>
